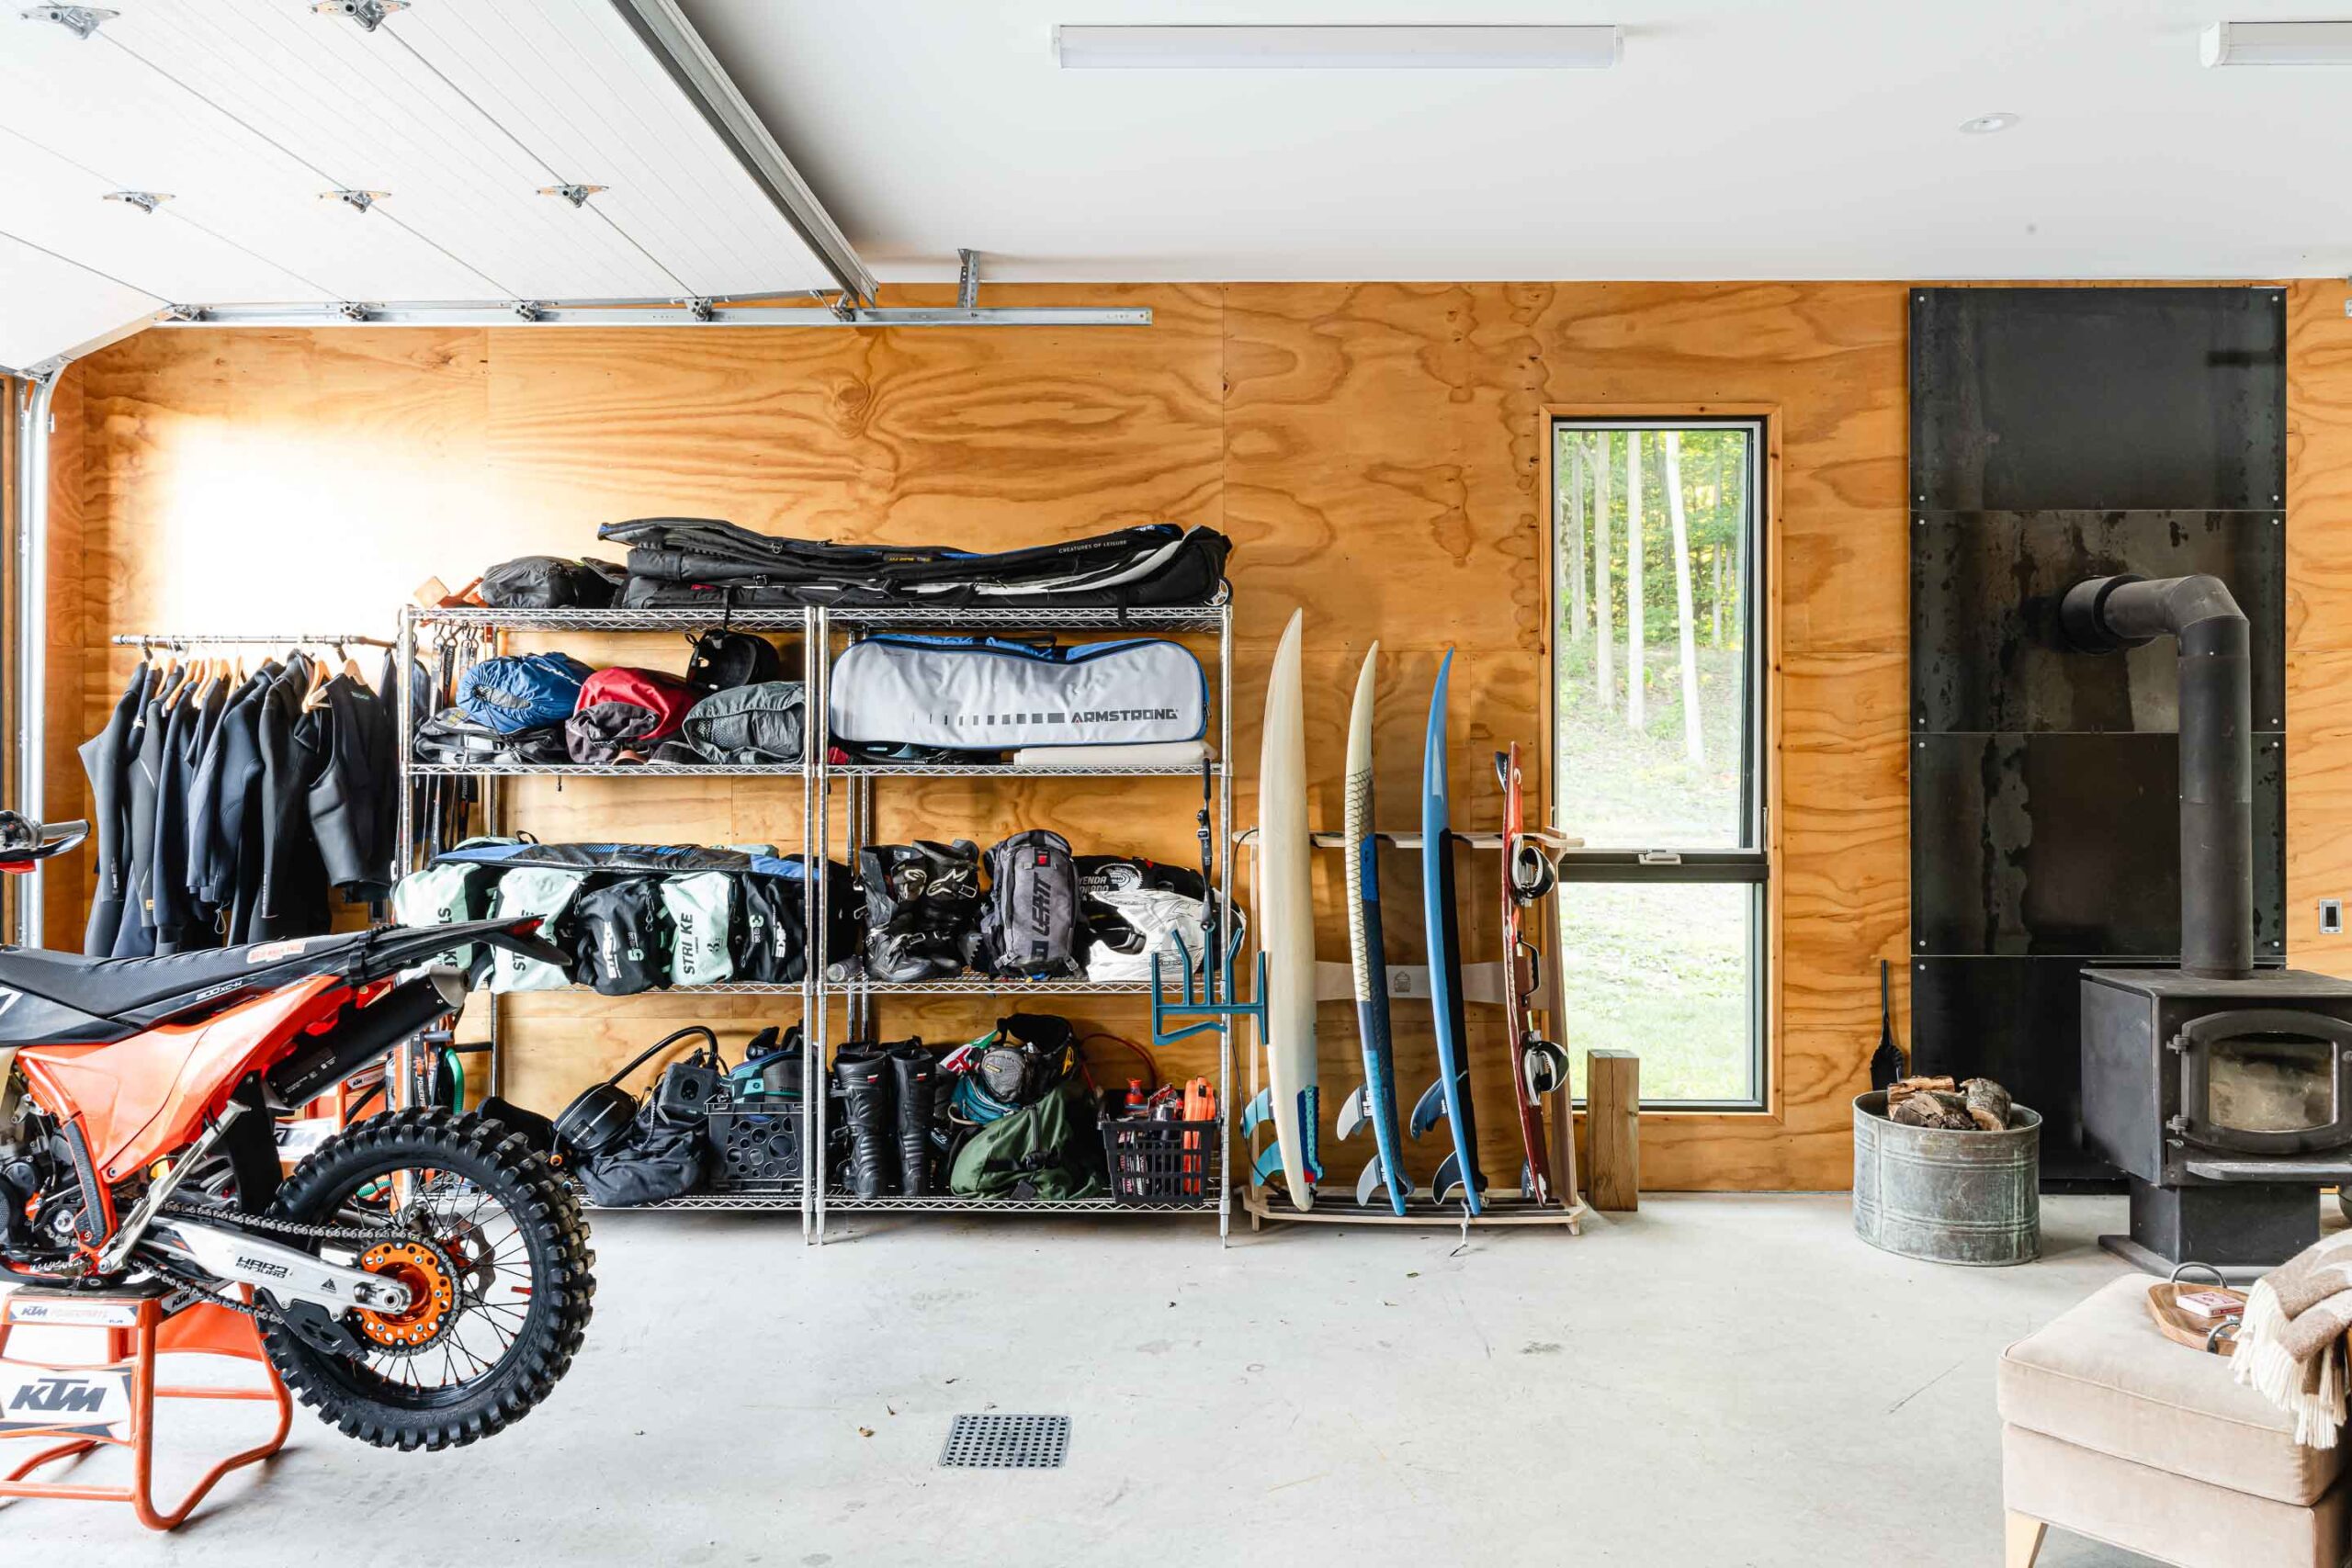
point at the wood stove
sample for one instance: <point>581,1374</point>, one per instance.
<point>2224,1092</point>
<point>2228,1102</point>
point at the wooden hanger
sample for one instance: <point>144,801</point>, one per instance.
<point>320,673</point>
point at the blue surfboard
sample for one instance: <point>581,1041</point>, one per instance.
<point>1376,1102</point>
<point>1450,1096</point>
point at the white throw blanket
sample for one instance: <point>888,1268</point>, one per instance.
<point>2291,1348</point>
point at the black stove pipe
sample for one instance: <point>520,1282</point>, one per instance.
<point>2103,613</point>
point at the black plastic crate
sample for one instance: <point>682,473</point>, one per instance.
<point>756,1144</point>
<point>1161,1162</point>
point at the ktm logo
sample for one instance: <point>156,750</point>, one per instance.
<point>59,1396</point>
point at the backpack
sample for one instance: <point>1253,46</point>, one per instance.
<point>1031,925</point>
<point>527,691</point>
<point>1049,1150</point>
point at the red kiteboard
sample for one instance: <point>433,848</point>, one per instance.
<point>1537,1066</point>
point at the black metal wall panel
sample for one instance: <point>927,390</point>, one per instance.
<point>1984,591</point>
<point>2058,434</point>
<point>2015,1019</point>
<point>2063,843</point>
<point>2038,399</point>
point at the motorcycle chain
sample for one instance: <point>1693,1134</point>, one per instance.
<point>191,1294</point>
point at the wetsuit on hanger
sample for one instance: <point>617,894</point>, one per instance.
<point>178,928</point>
<point>228,777</point>
<point>292,899</point>
<point>356,778</point>
<point>136,936</point>
<point>106,759</point>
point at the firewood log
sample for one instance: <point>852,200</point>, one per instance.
<point>1905,1089</point>
<point>1988,1104</point>
<point>1938,1108</point>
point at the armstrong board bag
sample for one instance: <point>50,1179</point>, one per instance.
<point>992,695</point>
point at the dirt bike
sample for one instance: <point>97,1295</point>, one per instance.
<point>421,1278</point>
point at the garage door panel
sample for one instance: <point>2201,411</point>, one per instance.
<point>250,113</point>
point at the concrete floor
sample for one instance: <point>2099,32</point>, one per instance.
<point>1719,1381</point>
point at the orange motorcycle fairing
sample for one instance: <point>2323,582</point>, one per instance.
<point>140,1099</point>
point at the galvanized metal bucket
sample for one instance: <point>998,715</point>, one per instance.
<point>1970,1198</point>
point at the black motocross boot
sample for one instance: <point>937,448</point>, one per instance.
<point>863,1076</point>
<point>915,1071</point>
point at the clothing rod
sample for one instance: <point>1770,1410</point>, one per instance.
<point>239,639</point>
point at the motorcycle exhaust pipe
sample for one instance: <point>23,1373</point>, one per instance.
<point>366,1034</point>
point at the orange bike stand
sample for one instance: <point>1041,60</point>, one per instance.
<point>111,1403</point>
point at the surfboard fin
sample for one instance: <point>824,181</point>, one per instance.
<point>1375,1179</point>
<point>1258,1112</point>
<point>1428,1108</point>
<point>1267,1166</point>
<point>1354,1110</point>
<point>1449,1177</point>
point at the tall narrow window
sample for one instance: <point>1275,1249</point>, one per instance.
<point>1657,693</point>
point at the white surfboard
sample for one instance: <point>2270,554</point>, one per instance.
<point>1286,932</point>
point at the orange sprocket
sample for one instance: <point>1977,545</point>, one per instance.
<point>432,1294</point>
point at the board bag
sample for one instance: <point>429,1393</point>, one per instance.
<point>676,561</point>
<point>990,694</point>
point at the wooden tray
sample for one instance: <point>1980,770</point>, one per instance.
<point>2186,1328</point>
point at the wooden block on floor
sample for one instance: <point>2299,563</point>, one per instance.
<point>1613,1092</point>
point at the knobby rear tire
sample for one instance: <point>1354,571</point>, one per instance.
<point>554,1232</point>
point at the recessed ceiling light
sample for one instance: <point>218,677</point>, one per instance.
<point>1443,47</point>
<point>2276,43</point>
<point>1986,124</point>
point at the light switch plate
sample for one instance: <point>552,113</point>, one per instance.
<point>2331,917</point>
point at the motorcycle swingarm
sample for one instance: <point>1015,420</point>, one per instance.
<point>237,1259</point>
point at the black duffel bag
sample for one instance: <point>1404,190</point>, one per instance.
<point>449,737</point>
<point>678,561</point>
<point>665,1153</point>
<point>549,582</point>
<point>656,1159</point>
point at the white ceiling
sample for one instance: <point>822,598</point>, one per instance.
<point>1738,138</point>
<point>246,110</point>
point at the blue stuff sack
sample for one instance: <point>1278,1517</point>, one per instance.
<point>521,692</point>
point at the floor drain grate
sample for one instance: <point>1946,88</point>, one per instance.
<point>1006,1442</point>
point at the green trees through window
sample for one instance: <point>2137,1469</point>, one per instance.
<point>1657,693</point>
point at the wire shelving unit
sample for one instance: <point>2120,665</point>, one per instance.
<point>483,632</point>
<point>833,628</point>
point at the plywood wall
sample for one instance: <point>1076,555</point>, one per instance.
<point>1376,451</point>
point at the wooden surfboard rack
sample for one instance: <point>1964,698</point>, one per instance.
<point>1504,1206</point>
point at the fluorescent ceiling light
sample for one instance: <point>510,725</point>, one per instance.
<point>1340,48</point>
<point>2276,43</point>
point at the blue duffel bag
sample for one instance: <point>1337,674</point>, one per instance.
<point>521,691</point>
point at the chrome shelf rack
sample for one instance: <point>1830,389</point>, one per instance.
<point>832,628</point>
<point>487,631</point>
